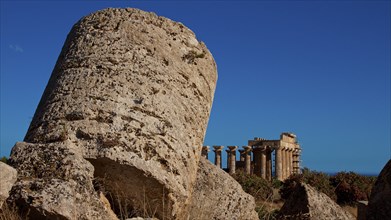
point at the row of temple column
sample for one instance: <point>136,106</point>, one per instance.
<point>286,160</point>
<point>231,159</point>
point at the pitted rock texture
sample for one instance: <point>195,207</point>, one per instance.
<point>55,182</point>
<point>7,180</point>
<point>307,203</point>
<point>379,206</point>
<point>218,196</point>
<point>132,91</point>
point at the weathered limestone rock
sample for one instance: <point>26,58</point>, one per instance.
<point>218,196</point>
<point>307,203</point>
<point>130,94</point>
<point>379,206</point>
<point>7,180</point>
<point>55,182</point>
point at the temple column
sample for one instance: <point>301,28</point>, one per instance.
<point>247,159</point>
<point>269,165</point>
<point>263,163</point>
<point>217,150</point>
<point>228,158</point>
<point>257,161</point>
<point>290,162</point>
<point>283,160</point>
<point>242,155</point>
<point>288,165</point>
<point>204,152</point>
<point>278,163</point>
<point>232,165</point>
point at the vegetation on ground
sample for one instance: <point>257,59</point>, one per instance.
<point>254,185</point>
<point>320,181</point>
<point>267,205</point>
<point>351,187</point>
<point>346,188</point>
<point>10,212</point>
<point>4,159</point>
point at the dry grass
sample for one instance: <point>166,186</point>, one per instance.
<point>137,205</point>
<point>8,212</point>
<point>267,209</point>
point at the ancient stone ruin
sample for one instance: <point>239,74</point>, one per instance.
<point>7,179</point>
<point>286,157</point>
<point>379,206</point>
<point>305,202</point>
<point>119,129</point>
<point>216,196</point>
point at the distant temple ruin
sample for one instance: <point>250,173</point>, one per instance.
<point>286,157</point>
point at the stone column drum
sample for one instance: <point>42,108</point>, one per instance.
<point>205,150</point>
<point>263,163</point>
<point>278,164</point>
<point>228,158</point>
<point>247,159</point>
<point>132,92</point>
<point>232,159</point>
<point>217,150</point>
<point>290,162</point>
<point>269,164</point>
<point>242,156</point>
<point>257,161</point>
<point>285,163</point>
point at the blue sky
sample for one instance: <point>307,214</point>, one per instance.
<point>318,69</point>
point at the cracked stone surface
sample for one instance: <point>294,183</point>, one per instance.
<point>307,203</point>
<point>131,95</point>
<point>7,179</point>
<point>218,196</point>
<point>54,182</point>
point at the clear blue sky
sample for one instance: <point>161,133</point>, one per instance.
<point>318,69</point>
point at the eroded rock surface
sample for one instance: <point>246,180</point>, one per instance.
<point>125,110</point>
<point>55,182</point>
<point>307,203</point>
<point>7,180</point>
<point>218,196</point>
<point>379,206</point>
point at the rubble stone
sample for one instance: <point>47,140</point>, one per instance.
<point>126,108</point>
<point>7,180</point>
<point>307,203</point>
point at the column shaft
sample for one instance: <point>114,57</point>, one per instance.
<point>263,163</point>
<point>269,165</point>
<point>283,153</point>
<point>257,161</point>
<point>228,158</point>
<point>247,159</point>
<point>242,155</point>
<point>204,152</point>
<point>286,163</point>
<point>290,163</point>
<point>278,164</point>
<point>232,159</point>
<point>217,150</point>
